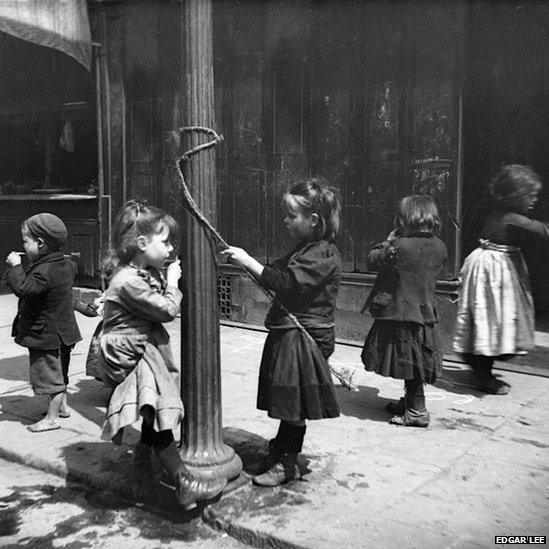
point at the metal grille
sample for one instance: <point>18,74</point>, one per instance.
<point>224,296</point>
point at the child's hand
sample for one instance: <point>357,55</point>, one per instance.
<point>174,273</point>
<point>13,259</point>
<point>237,256</point>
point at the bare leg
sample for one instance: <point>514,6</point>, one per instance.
<point>64,410</point>
<point>51,421</point>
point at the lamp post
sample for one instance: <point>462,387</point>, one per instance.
<point>202,449</point>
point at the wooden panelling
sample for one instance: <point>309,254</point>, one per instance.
<point>362,93</point>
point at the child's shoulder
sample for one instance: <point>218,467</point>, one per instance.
<point>320,248</point>
<point>416,244</point>
<point>514,218</point>
<point>317,252</point>
<point>128,277</point>
<point>121,275</point>
<point>123,279</point>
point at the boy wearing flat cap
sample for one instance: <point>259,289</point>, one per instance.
<point>45,321</point>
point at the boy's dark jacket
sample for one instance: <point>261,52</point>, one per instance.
<point>45,314</point>
<point>408,270</point>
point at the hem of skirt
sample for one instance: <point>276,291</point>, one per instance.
<point>277,414</point>
<point>428,381</point>
<point>490,352</point>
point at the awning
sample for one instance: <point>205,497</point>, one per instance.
<point>59,24</point>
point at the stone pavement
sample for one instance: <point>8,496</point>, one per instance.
<point>481,469</point>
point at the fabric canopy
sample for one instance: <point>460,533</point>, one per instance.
<point>59,24</point>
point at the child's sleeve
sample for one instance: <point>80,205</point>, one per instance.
<point>381,255</point>
<point>525,228</point>
<point>24,285</point>
<point>137,296</point>
<point>305,274</point>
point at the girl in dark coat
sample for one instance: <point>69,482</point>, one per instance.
<point>293,385</point>
<point>404,341</point>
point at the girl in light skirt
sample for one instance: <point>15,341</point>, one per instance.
<point>495,317</point>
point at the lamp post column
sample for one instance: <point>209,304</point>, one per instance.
<point>202,449</point>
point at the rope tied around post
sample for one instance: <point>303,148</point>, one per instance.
<point>344,377</point>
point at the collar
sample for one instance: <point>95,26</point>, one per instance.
<point>46,258</point>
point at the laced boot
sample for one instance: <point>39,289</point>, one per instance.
<point>484,379</point>
<point>492,385</point>
<point>415,413</point>
<point>412,418</point>
<point>272,457</point>
<point>284,470</point>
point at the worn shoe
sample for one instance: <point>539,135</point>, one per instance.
<point>411,418</point>
<point>398,408</point>
<point>492,386</point>
<point>281,472</point>
<point>271,458</point>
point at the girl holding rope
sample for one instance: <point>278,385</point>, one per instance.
<point>294,379</point>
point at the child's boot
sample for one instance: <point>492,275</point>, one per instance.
<point>415,413</point>
<point>272,456</point>
<point>285,468</point>
<point>484,379</point>
<point>275,449</point>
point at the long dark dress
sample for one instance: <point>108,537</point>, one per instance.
<point>293,383</point>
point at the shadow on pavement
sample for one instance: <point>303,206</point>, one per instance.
<point>91,395</point>
<point>252,448</point>
<point>24,409</point>
<point>110,468</point>
<point>15,368</point>
<point>364,404</point>
<point>457,378</point>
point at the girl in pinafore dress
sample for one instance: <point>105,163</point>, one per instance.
<point>135,358</point>
<point>404,341</point>
<point>495,317</point>
<point>293,386</point>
